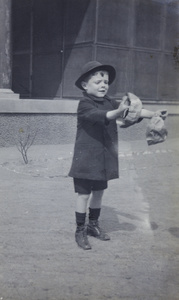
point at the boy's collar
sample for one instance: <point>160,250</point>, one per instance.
<point>94,98</point>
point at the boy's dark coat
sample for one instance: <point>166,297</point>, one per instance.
<point>96,146</point>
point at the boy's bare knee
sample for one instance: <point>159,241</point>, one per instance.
<point>98,194</point>
<point>84,197</point>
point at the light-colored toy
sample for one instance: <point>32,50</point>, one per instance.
<point>135,107</point>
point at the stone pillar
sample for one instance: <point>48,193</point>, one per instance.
<point>5,51</point>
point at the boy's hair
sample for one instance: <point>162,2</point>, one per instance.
<point>88,77</point>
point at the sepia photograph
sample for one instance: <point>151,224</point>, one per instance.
<point>89,149</point>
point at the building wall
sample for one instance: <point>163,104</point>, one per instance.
<point>48,128</point>
<point>61,129</point>
<point>53,39</point>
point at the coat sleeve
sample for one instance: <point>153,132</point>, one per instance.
<point>87,111</point>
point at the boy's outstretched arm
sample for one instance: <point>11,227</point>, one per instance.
<point>145,113</point>
<point>120,112</point>
<point>148,114</point>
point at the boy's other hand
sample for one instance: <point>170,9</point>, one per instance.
<point>162,113</point>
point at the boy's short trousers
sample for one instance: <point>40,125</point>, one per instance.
<point>85,186</point>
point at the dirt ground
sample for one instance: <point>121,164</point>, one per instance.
<point>39,257</point>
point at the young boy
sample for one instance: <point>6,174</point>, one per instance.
<point>95,159</point>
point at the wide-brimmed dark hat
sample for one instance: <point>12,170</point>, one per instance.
<point>94,66</point>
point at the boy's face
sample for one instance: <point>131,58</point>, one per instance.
<point>97,85</point>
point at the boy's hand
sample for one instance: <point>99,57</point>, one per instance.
<point>162,113</point>
<point>124,107</point>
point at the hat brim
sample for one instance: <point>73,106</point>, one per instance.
<point>111,71</point>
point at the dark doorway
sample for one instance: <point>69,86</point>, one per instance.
<point>37,31</point>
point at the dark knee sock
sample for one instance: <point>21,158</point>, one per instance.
<point>80,218</point>
<point>94,213</point>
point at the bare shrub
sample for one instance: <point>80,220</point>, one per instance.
<point>24,140</point>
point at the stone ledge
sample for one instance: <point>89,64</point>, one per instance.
<point>8,94</point>
<point>66,106</point>
<point>38,106</point>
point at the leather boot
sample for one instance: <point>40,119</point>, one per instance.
<point>93,229</point>
<point>81,237</point>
